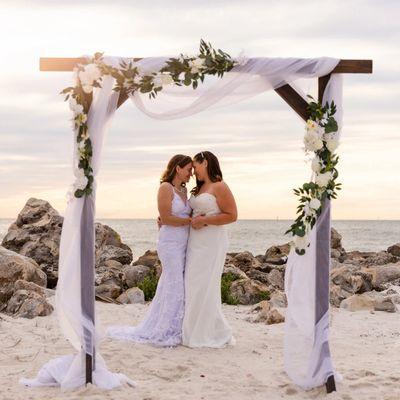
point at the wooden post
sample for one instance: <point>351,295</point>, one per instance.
<point>323,257</point>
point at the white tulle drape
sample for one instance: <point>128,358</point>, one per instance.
<point>251,77</point>
<point>306,346</point>
<point>69,371</point>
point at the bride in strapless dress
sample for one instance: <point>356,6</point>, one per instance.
<point>213,204</point>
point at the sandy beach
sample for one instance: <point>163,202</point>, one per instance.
<point>365,349</point>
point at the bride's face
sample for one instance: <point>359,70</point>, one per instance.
<point>185,172</point>
<point>200,170</point>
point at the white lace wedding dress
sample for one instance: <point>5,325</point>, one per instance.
<point>204,324</point>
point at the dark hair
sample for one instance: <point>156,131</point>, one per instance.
<point>213,169</point>
<point>177,160</point>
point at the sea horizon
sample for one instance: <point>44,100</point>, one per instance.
<point>254,235</point>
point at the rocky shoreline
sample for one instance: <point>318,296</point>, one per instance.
<point>29,271</point>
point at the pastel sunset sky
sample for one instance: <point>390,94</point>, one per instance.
<point>258,141</point>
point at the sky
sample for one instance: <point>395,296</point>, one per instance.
<point>258,141</point>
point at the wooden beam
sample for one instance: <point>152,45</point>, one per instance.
<point>322,82</point>
<point>294,100</point>
<point>67,64</point>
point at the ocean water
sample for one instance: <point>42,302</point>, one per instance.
<point>257,235</point>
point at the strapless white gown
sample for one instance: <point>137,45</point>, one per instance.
<point>204,324</point>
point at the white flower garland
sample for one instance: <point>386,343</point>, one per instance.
<point>184,70</point>
<point>321,138</point>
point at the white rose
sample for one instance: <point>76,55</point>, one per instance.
<point>316,164</point>
<point>323,179</point>
<point>75,107</point>
<point>332,145</point>
<point>93,72</point>
<point>308,210</point>
<point>301,242</point>
<point>166,79</point>
<point>315,204</point>
<point>312,141</point>
<point>81,180</point>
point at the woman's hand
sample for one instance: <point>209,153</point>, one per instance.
<point>199,222</point>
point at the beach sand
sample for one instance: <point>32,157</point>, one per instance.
<point>365,349</point>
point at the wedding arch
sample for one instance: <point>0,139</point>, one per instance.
<point>168,88</point>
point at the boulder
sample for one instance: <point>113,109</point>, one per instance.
<point>368,258</point>
<point>248,291</point>
<point>110,290</point>
<point>351,278</point>
<point>275,279</point>
<point>28,304</point>
<point>384,275</point>
<point>257,275</point>
<point>337,294</point>
<point>37,231</point>
<point>133,275</point>
<point>150,259</point>
<point>264,312</point>
<point>14,267</point>
<point>133,295</point>
<point>357,302</point>
<point>394,250</point>
<point>245,261</point>
<point>278,299</point>
<point>36,234</point>
<point>235,272</point>
<point>277,254</point>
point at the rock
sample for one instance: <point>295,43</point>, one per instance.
<point>110,275</point>
<point>28,304</point>
<point>277,254</point>
<point>385,304</point>
<point>108,290</point>
<point>133,295</point>
<point>113,253</point>
<point>384,275</point>
<point>37,231</point>
<point>247,291</point>
<point>336,239</point>
<point>394,250</point>
<point>135,274</point>
<point>257,275</point>
<point>36,234</point>
<point>14,267</point>
<point>351,278</point>
<point>266,314</point>
<point>370,258</point>
<point>245,261</point>
<point>278,299</point>
<point>274,317</point>
<point>337,294</point>
<point>109,246</point>
<point>235,272</point>
<point>357,302</point>
<point>335,263</point>
<point>275,279</point>
<point>150,259</point>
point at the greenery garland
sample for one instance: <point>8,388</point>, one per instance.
<point>182,71</point>
<point>321,138</point>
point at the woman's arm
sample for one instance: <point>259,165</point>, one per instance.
<point>226,203</point>
<point>164,200</point>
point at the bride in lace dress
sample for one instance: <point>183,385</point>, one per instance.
<point>214,206</point>
<point>162,325</point>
